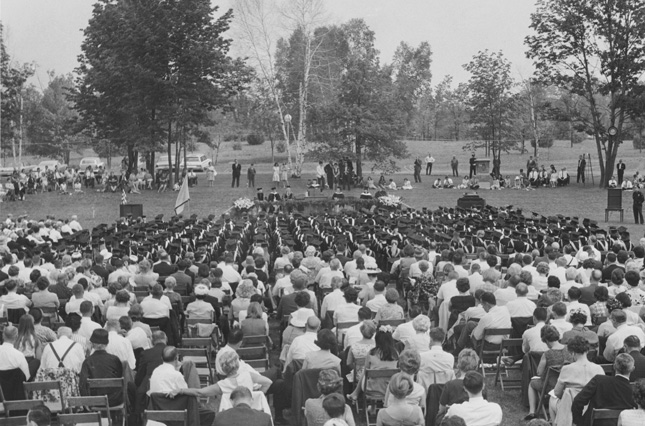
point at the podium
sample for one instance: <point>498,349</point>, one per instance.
<point>471,200</point>
<point>136,210</point>
<point>614,202</point>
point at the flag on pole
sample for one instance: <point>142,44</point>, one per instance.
<point>183,197</point>
<point>124,198</point>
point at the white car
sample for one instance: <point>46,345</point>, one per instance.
<point>197,162</point>
<point>51,165</point>
<point>95,162</point>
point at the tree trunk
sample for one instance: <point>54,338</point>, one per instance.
<point>170,181</point>
<point>359,162</point>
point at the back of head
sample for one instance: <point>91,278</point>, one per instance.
<point>409,361</point>
<point>559,309</point>
<point>453,421</point>
<point>10,334</point>
<point>169,354</point>
<point>159,337</point>
<point>235,337</point>
<point>473,382</point>
<point>624,364</point>
<point>241,394</point>
<point>334,405</point>
<point>313,323</point>
<point>39,416</point>
<point>401,385</point>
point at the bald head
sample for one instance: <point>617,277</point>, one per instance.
<point>10,334</point>
<point>169,354</point>
<point>313,323</point>
<point>64,331</point>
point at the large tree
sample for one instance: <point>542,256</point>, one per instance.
<point>491,102</point>
<point>151,71</point>
<point>365,121</point>
<point>593,48</point>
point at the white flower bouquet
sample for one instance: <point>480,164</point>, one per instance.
<point>243,203</point>
<point>390,200</point>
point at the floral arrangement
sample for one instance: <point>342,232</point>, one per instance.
<point>390,200</point>
<point>386,329</point>
<point>243,203</point>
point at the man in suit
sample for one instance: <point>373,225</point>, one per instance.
<point>242,413</point>
<point>620,168</point>
<point>632,347</point>
<point>150,358</point>
<point>164,268</point>
<point>610,392</point>
<point>184,281</point>
<point>237,172</point>
<point>582,164</point>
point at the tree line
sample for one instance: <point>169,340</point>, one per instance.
<point>157,76</point>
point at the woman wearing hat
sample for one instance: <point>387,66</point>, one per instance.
<point>242,300</point>
<point>326,356</point>
<point>329,382</point>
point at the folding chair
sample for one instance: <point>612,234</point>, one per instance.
<point>140,295</point>
<point>202,360</point>
<point>370,397</point>
<point>80,418</point>
<point>166,417</point>
<point>340,337</point>
<point>55,407</point>
<point>551,372</point>
<point>21,405</point>
<point>112,384</point>
<point>257,357</point>
<point>604,414</point>
<point>50,314</point>
<point>394,323</point>
<point>191,325</point>
<point>94,403</point>
<point>13,421</point>
<point>253,341</point>
<point>483,353</point>
<point>507,345</point>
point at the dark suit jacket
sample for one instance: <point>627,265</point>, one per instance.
<point>587,296</point>
<point>639,366</point>
<point>242,414</point>
<point>184,282</point>
<point>606,272</point>
<point>164,269</point>
<point>611,392</point>
<point>148,361</point>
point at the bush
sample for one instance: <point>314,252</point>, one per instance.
<point>254,139</point>
<point>281,147</point>
<point>638,141</point>
<point>237,146</point>
<point>543,142</point>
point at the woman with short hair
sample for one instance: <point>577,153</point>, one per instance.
<point>399,412</point>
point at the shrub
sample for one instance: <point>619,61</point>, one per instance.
<point>281,147</point>
<point>254,139</point>
<point>543,142</point>
<point>638,141</point>
<point>237,146</point>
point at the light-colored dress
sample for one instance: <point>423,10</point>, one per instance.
<point>276,174</point>
<point>359,352</point>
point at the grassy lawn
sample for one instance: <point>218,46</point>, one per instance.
<point>582,201</point>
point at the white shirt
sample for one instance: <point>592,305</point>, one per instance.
<point>73,360</point>
<point>504,295</point>
<point>229,274</point>
<point>326,278</point>
<point>12,358</point>
<point>346,313</point>
<point>301,346</point>
<point>155,308</point>
<point>477,412</point>
<point>404,332</point>
<point>87,327</point>
<point>121,347</point>
<point>166,378</point>
<point>377,303</point>
<point>561,324</point>
<point>437,366</point>
<point>138,338</point>
<point>353,334</point>
<point>73,305</point>
<point>616,340</point>
<point>496,317</point>
<point>579,307</point>
<point>448,290</point>
<point>532,340</point>
<point>331,302</point>
<point>284,282</point>
<point>520,307</point>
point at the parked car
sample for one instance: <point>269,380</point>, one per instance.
<point>51,165</point>
<point>95,162</point>
<point>197,162</point>
<point>8,170</point>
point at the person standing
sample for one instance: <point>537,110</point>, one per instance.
<point>582,165</point>
<point>276,174</point>
<point>429,163</point>
<point>250,175</point>
<point>237,171</point>
<point>417,170</point>
<point>473,165</point>
<point>320,176</point>
<point>341,174</point>
<point>638,198</point>
<point>454,165</point>
<point>284,174</point>
<point>329,171</point>
<point>620,167</point>
<point>349,175</point>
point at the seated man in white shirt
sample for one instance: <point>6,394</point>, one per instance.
<point>437,365</point>
<point>64,350</point>
<point>505,295</point>
<point>476,411</point>
<point>166,377</point>
<point>531,338</point>
<point>615,341</point>
<point>521,307</point>
<point>333,299</point>
<point>136,335</point>
<point>496,317</point>
<point>284,282</point>
<point>379,297</point>
<point>304,344</point>
<point>13,300</point>
<point>326,275</point>
<point>154,306</point>
<point>348,312</point>
<point>118,345</point>
<point>559,318</point>
<point>11,357</point>
<point>353,333</point>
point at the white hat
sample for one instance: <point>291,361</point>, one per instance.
<point>106,254</point>
<point>201,290</point>
<point>133,258</point>
<point>299,318</point>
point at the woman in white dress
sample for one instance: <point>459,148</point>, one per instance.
<point>276,174</point>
